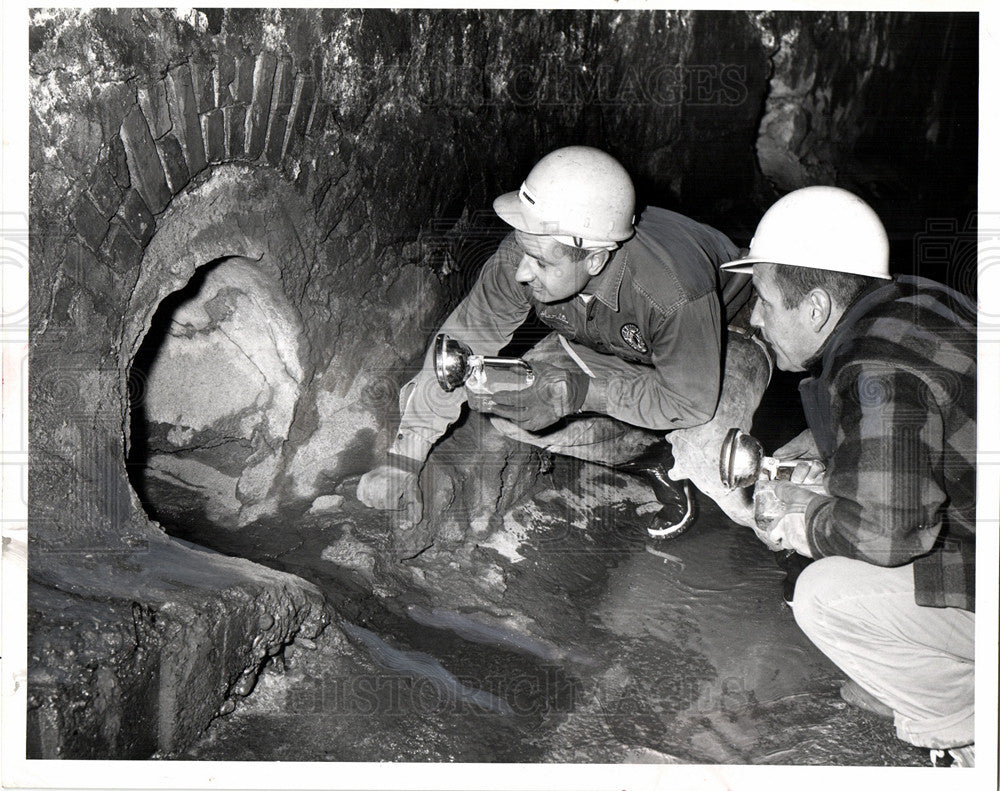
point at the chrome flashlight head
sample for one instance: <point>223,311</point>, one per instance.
<point>451,362</point>
<point>740,459</point>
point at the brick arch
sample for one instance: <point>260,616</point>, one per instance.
<point>235,108</point>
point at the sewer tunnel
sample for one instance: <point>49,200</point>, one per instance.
<point>270,215</point>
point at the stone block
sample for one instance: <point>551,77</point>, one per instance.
<point>118,162</point>
<point>213,129</point>
<point>120,250</point>
<point>225,74</point>
<point>174,163</point>
<point>153,101</point>
<point>302,100</point>
<point>104,191</point>
<point>144,165</point>
<point>317,119</point>
<point>184,113</point>
<point>281,105</point>
<point>79,263</point>
<point>144,662</point>
<point>203,83</point>
<point>137,217</point>
<point>260,106</point>
<point>242,86</point>
<point>89,222</point>
<point>236,122</point>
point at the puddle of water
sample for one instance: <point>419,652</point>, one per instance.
<point>723,600</point>
<point>692,658</point>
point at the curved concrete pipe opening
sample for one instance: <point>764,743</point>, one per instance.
<point>213,391</point>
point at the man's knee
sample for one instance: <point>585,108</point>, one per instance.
<point>818,584</point>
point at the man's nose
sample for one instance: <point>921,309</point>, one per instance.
<point>525,270</point>
<point>755,318</point>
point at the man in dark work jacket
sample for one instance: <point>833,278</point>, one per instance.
<point>638,314</point>
<point>890,402</point>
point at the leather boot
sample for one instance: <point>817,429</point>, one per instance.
<point>677,511</point>
<point>793,564</point>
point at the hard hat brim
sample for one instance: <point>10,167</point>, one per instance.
<point>745,266</point>
<point>510,209</point>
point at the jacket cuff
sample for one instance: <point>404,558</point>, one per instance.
<point>410,445</point>
<point>596,399</point>
<point>812,507</point>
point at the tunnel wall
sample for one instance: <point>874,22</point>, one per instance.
<point>385,137</point>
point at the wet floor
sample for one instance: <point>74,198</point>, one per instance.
<point>689,658</point>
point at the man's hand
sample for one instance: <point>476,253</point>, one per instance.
<point>801,447</point>
<point>393,485</point>
<point>555,393</point>
<point>789,532</point>
<point>808,472</point>
<point>779,510</point>
<point>808,468</point>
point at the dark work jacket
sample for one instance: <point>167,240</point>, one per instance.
<point>656,304</point>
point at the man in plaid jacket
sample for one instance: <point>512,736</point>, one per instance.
<point>890,402</point>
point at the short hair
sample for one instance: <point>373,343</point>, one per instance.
<point>794,282</point>
<point>574,254</point>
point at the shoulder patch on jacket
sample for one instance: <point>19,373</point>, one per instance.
<point>632,336</point>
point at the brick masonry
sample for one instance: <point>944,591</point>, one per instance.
<point>174,163</point>
<point>89,222</point>
<point>137,217</point>
<point>263,82</point>
<point>144,162</point>
<point>237,108</point>
<point>153,101</point>
<point>184,113</point>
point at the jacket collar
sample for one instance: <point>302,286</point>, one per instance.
<point>870,296</point>
<point>607,285</point>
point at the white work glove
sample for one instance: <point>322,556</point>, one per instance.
<point>789,532</point>
<point>394,485</point>
<point>780,509</point>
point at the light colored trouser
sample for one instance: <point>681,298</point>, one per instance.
<point>919,661</point>
<point>605,440</point>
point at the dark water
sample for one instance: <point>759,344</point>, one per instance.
<point>684,654</point>
<point>691,658</point>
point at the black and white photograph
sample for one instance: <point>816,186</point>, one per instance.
<point>456,397</point>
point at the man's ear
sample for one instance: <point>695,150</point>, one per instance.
<point>596,261</point>
<point>820,308</point>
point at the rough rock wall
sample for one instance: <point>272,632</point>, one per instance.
<point>860,99</point>
<point>349,153</point>
<point>365,143</point>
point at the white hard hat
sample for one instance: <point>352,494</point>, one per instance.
<point>580,195</point>
<point>820,228</point>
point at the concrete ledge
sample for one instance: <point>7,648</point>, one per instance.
<point>136,654</point>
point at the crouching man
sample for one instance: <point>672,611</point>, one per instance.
<point>638,316</point>
<point>890,402</point>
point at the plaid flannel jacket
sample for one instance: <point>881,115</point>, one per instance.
<point>892,405</point>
